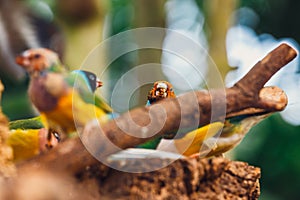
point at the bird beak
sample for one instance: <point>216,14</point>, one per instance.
<point>22,61</point>
<point>99,83</point>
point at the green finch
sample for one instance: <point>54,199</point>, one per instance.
<point>66,101</point>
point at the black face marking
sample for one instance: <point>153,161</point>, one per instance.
<point>92,79</point>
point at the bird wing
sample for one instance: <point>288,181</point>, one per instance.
<point>31,123</point>
<point>191,143</point>
<point>234,131</point>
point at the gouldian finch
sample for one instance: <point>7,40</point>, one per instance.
<point>192,141</point>
<point>28,138</point>
<point>235,129</point>
<point>160,90</point>
<point>65,99</point>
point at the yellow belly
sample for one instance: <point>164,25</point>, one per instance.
<point>72,113</point>
<point>25,143</point>
<point>192,142</point>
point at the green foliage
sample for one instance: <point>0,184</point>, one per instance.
<point>277,17</point>
<point>273,145</point>
<point>121,14</point>
<point>42,8</point>
<point>15,102</point>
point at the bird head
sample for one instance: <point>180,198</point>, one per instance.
<point>161,90</point>
<point>48,139</point>
<point>90,79</point>
<point>37,60</point>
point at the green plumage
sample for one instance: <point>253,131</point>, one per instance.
<point>152,144</point>
<point>32,123</point>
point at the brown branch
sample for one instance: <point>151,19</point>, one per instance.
<point>189,110</point>
<point>217,178</point>
<point>262,71</point>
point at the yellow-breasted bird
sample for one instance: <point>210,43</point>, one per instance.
<point>192,141</point>
<point>234,131</point>
<point>28,138</point>
<point>64,99</point>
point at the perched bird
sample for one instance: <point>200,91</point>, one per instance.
<point>192,141</point>
<point>66,100</point>
<point>231,134</point>
<point>90,79</point>
<point>234,131</point>
<point>160,90</point>
<point>28,138</point>
<point>191,144</point>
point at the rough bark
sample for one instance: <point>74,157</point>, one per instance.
<point>188,178</point>
<point>216,178</point>
<point>7,167</point>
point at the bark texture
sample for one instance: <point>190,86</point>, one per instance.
<point>7,167</point>
<point>216,178</point>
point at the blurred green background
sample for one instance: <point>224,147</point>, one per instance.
<point>74,27</point>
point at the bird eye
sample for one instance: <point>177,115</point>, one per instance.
<point>57,136</point>
<point>36,56</point>
<point>92,77</point>
<point>43,73</point>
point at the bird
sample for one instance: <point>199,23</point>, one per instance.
<point>66,100</point>
<point>160,90</point>
<point>191,142</point>
<point>28,138</point>
<point>235,129</point>
<point>230,133</point>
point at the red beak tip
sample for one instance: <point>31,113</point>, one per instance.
<point>19,60</point>
<point>99,84</point>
